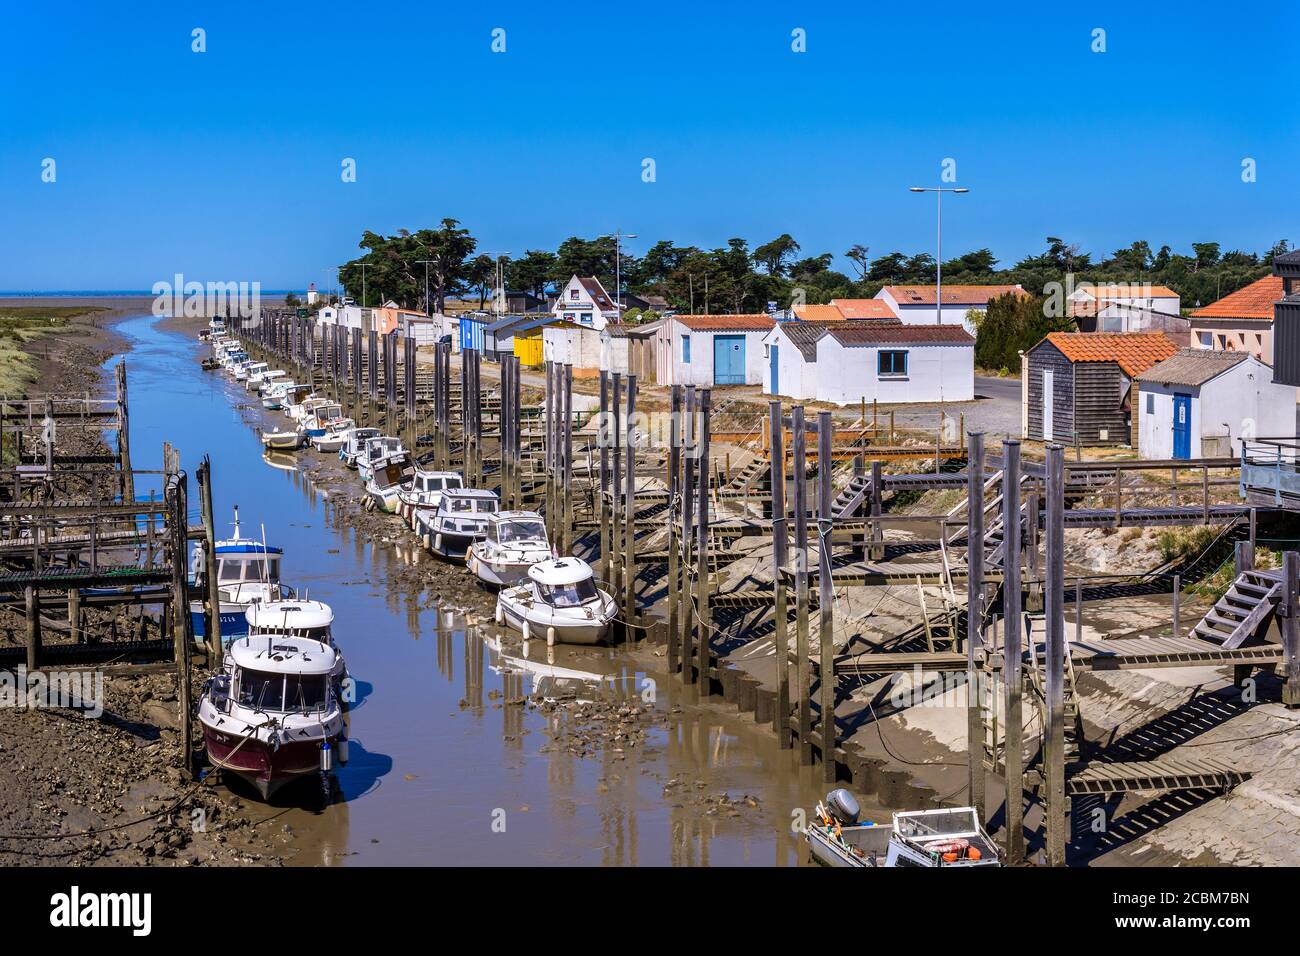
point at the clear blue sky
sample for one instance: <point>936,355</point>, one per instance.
<point>225,165</point>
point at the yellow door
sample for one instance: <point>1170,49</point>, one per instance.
<point>529,351</point>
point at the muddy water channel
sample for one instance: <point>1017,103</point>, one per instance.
<point>456,754</point>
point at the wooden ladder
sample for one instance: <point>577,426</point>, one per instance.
<point>1243,612</point>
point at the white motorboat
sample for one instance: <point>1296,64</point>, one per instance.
<point>248,573</point>
<point>295,402</point>
<point>318,418</point>
<point>313,620</point>
<point>422,491</point>
<point>354,443</point>
<point>460,519</point>
<point>265,379</point>
<point>251,373</point>
<point>334,435</point>
<point>514,542</point>
<point>287,439</point>
<point>273,714</point>
<point>378,452</point>
<point>273,394</point>
<point>928,838</point>
<point>560,601</point>
<point>384,484</point>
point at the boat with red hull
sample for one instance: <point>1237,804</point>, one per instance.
<point>274,713</point>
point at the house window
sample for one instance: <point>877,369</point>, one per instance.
<point>892,363</point>
<point>586,318</point>
<point>1151,404</point>
<point>573,293</point>
<point>686,348</point>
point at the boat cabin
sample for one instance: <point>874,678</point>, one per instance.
<point>281,674</point>
<point>510,528</point>
<point>564,582</point>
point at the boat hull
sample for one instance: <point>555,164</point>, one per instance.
<point>593,631</point>
<point>498,574</point>
<point>234,624</point>
<point>282,441</point>
<point>267,768</point>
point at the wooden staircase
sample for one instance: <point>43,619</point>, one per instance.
<point>853,495</point>
<point>1243,613</point>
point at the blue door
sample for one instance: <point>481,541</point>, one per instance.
<point>1182,426</point>
<point>776,376</point>
<point>728,360</point>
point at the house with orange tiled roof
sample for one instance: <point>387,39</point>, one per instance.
<point>1122,306</point>
<point>919,304</point>
<point>1241,321</point>
<point>1078,386</point>
<point>709,350</point>
<point>864,308</point>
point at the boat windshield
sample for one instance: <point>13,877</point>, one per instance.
<point>232,570</point>
<point>568,595</point>
<point>293,693</point>
<point>511,531</point>
<point>321,633</point>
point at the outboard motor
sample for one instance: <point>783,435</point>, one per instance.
<point>843,806</point>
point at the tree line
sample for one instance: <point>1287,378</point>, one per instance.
<point>737,278</point>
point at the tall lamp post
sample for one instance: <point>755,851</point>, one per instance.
<point>938,262</point>
<point>618,238</point>
<point>428,306</point>
<point>499,278</point>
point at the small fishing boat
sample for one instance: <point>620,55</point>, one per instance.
<point>384,484</point>
<point>319,418</point>
<point>296,400</point>
<point>313,620</point>
<point>273,395</point>
<point>284,440</point>
<point>333,437</point>
<point>422,491</point>
<point>273,714</point>
<point>354,443</point>
<point>209,364</point>
<point>378,452</point>
<point>931,838</point>
<point>514,542</point>
<point>560,601</point>
<point>460,519</point>
<point>251,371</point>
<point>261,381</point>
<point>248,572</point>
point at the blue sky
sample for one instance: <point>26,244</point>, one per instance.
<point>225,165</point>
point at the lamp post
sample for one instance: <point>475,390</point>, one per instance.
<point>938,262</point>
<point>499,277</point>
<point>618,238</point>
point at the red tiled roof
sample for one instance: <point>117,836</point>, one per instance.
<point>874,333</point>
<point>722,323</point>
<point>820,313</point>
<point>1255,301</point>
<point>952,294</point>
<point>1130,290</point>
<point>864,308</point>
<point>1134,352</point>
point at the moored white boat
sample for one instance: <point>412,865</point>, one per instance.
<point>248,572</point>
<point>273,714</point>
<point>560,602</point>
<point>380,451</point>
<point>284,440</point>
<point>514,542</point>
<point>460,519</point>
<point>313,620</point>
<point>422,490</point>
<point>921,838</point>
<point>384,484</point>
<point>354,443</point>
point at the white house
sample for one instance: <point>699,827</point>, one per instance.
<point>348,316</point>
<point>877,362</point>
<point>584,301</point>
<point>708,350</point>
<point>1127,307</point>
<point>1199,403</point>
<point>918,304</point>
<point>576,345</point>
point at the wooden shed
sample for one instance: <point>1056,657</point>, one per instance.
<point>1080,385</point>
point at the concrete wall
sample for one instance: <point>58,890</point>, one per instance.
<point>671,369</point>
<point>573,345</point>
<point>796,377</point>
<point>935,373</point>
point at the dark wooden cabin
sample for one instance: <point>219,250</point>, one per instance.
<point>1088,380</point>
<point>1286,320</point>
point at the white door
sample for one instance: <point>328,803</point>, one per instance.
<point>1048,401</point>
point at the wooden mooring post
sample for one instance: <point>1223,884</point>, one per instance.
<point>689,450</point>
<point>780,558</point>
<point>674,494</point>
<point>703,616</point>
<point>803,666</point>
<point>602,496</point>
<point>826,593</point>
<point>975,679</point>
<point>1056,807</point>
<point>1290,628</point>
<point>212,596</point>
<point>630,614</point>
<point>616,491</point>
<point>1012,652</point>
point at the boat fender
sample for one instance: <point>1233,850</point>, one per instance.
<point>550,637</point>
<point>326,757</point>
<point>500,614</point>
<point>343,751</point>
<point>526,629</point>
<point>437,542</point>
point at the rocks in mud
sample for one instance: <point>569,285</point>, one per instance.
<point>587,727</point>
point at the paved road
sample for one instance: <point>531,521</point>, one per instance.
<point>995,411</point>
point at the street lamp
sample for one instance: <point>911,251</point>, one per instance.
<point>499,277</point>
<point>618,238</point>
<point>938,262</point>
